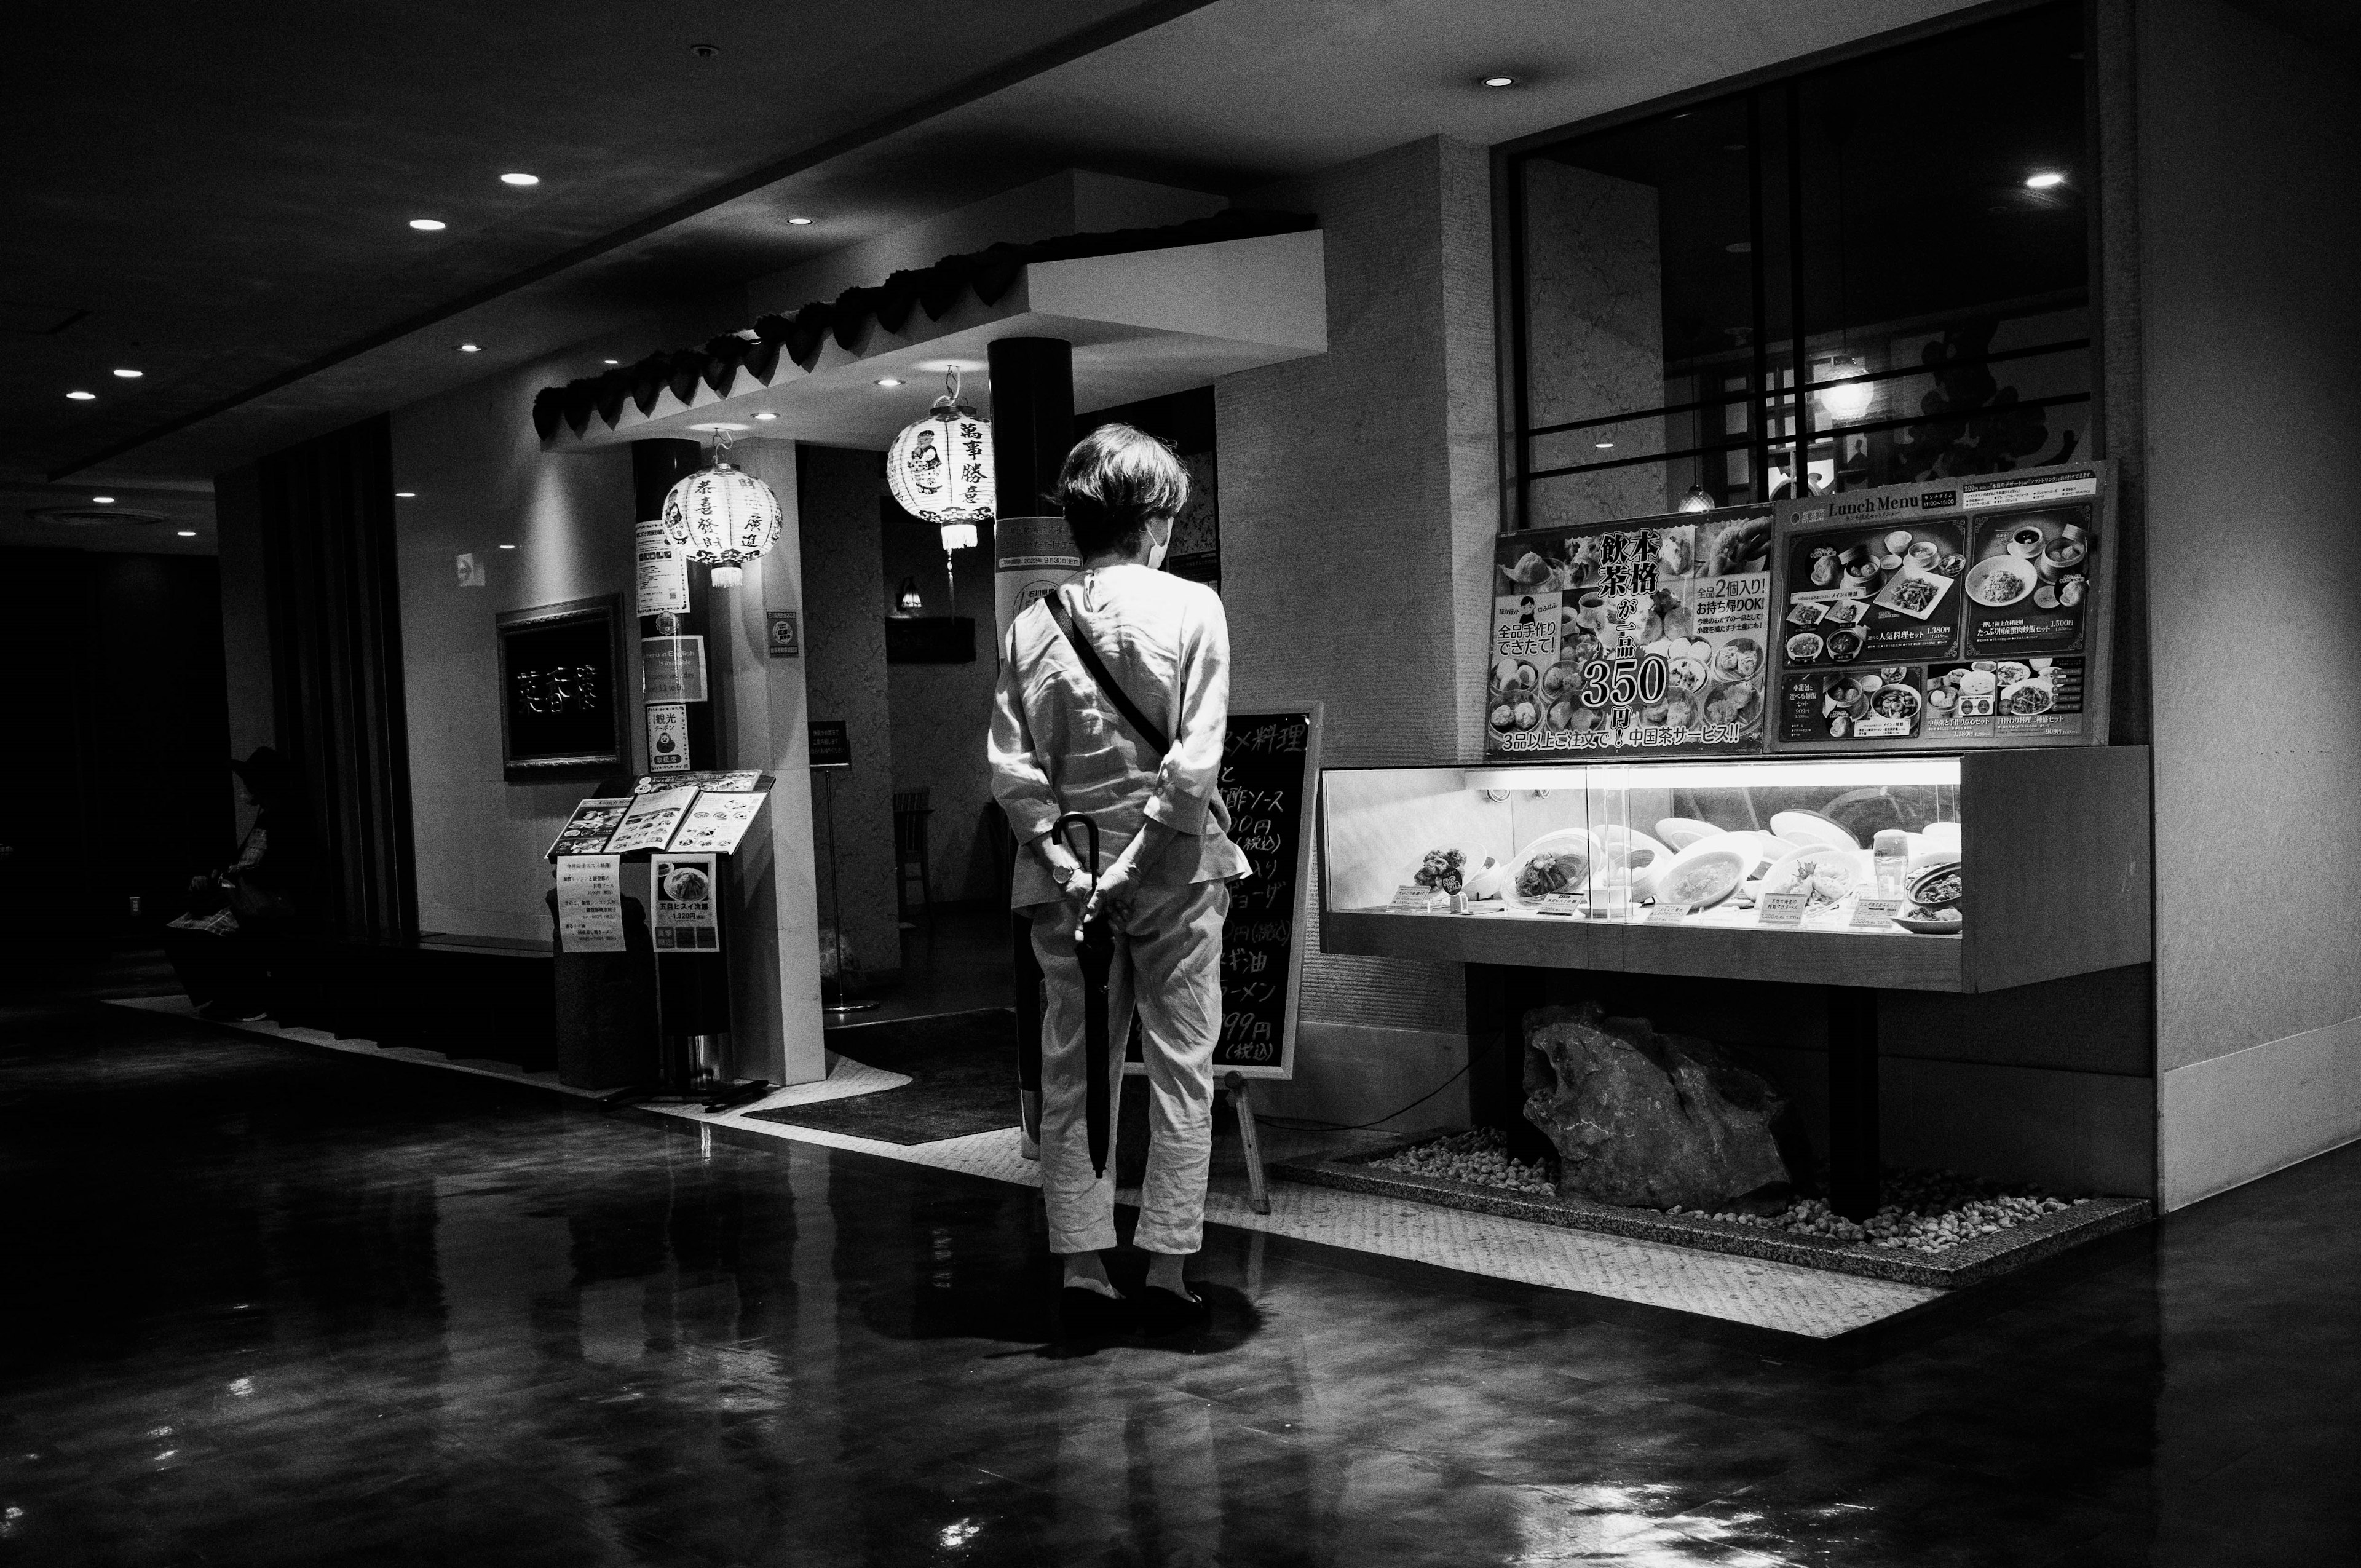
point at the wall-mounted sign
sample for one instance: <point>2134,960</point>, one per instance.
<point>832,745</point>
<point>562,702</point>
<point>668,738</point>
<point>785,638</point>
<point>660,583</point>
<point>688,916</point>
<point>471,571</point>
<point>1650,636</point>
<point>671,669</point>
<point>1958,612</point>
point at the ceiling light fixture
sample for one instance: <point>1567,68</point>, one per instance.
<point>520,178</point>
<point>800,223</point>
<point>82,396</point>
<point>2047,180</point>
<point>428,226</point>
<point>1698,499</point>
<point>1843,392</point>
<point>766,414</point>
<point>1500,80</point>
<point>405,495</point>
<point>186,533</point>
<point>469,348</point>
<point>508,546</point>
<point>131,375</point>
<point>889,380</point>
<point>103,500</point>
<point>611,362</point>
<point>1602,445</point>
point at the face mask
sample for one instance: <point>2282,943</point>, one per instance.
<point>1157,547</point>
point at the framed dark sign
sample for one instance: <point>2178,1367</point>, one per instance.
<point>561,697</point>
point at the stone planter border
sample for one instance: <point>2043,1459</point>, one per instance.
<point>1970,1263</point>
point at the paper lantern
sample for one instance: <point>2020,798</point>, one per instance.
<point>940,468</point>
<point>721,516</point>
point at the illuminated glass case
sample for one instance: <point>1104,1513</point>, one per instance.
<point>1930,873</point>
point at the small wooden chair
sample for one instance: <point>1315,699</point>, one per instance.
<point>910,857</point>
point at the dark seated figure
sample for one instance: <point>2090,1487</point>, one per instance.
<point>223,948</point>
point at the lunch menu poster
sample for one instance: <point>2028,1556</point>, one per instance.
<point>1958,612</point>
<point>1650,637</point>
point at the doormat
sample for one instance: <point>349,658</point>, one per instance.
<point>962,1072</point>
<point>1970,1263</point>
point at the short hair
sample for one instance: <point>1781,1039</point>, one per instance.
<point>1114,482</point>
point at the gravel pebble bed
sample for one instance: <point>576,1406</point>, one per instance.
<point>1925,1211</point>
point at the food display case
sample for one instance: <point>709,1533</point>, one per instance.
<point>1964,872</point>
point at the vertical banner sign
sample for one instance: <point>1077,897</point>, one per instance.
<point>687,914</point>
<point>1960,613</point>
<point>1032,557</point>
<point>1647,637</point>
<point>668,738</point>
<point>590,904</point>
<point>662,580</point>
<point>1270,766</point>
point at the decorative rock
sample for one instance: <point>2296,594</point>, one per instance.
<point>1650,1120</point>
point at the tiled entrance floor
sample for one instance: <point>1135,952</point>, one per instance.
<point>1760,1294</point>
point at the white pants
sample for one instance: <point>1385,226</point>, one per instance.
<point>1168,961</point>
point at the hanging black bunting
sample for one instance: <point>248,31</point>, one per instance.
<point>989,274</point>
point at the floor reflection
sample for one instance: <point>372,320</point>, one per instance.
<point>269,1308</point>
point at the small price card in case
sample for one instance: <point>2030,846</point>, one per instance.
<point>1668,913</point>
<point>1562,904</point>
<point>1784,908</point>
<point>1875,914</point>
<point>1411,899</point>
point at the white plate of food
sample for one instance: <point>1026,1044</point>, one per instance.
<point>2028,699</point>
<point>1826,876</point>
<point>1912,591</point>
<point>1554,863</point>
<point>1680,832</point>
<point>1703,875</point>
<point>1760,849</point>
<point>1999,581</point>
<point>1812,830</point>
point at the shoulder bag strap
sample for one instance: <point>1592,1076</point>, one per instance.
<point>1156,738</point>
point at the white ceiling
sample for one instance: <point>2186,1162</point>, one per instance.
<point>1221,98</point>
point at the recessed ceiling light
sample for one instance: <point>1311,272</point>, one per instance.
<point>2047,180</point>
<point>520,178</point>
<point>1602,445</point>
<point>103,500</point>
<point>611,362</point>
<point>1742,247</point>
<point>82,396</point>
<point>186,533</point>
<point>800,223</point>
<point>469,348</point>
<point>131,375</point>
<point>428,226</point>
<point>766,414</point>
<point>1500,80</point>
<point>508,546</point>
<point>404,495</point>
<point>889,380</point>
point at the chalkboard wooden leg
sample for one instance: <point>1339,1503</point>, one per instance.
<point>1242,1100</point>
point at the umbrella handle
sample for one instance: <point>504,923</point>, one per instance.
<point>1090,836</point>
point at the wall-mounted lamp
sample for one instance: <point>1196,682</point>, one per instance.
<point>910,601</point>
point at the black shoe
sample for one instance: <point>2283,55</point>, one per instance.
<point>1083,1313</point>
<point>1163,1314</point>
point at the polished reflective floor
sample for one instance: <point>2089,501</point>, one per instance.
<point>267,1306</point>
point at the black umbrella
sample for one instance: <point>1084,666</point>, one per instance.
<point>1094,949</point>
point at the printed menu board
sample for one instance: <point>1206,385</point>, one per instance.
<point>1959,612</point>
<point>1650,636</point>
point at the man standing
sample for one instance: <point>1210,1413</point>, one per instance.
<point>1062,741</point>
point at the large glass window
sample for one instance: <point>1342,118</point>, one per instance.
<point>1873,273</point>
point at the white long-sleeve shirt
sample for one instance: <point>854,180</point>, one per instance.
<point>1058,745</point>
